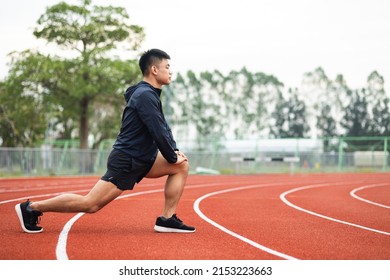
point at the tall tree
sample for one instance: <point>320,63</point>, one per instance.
<point>326,123</point>
<point>375,87</point>
<point>381,117</point>
<point>378,105</point>
<point>21,121</point>
<point>357,121</point>
<point>251,97</point>
<point>199,106</point>
<point>90,32</point>
<point>320,92</point>
<point>279,127</point>
<point>223,106</point>
<point>290,117</point>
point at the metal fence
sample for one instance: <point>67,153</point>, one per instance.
<point>55,161</point>
<point>50,161</point>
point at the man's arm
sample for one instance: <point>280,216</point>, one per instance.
<point>149,110</point>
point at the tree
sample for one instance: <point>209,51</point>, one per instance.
<point>378,105</point>
<point>21,120</point>
<point>375,87</point>
<point>89,32</point>
<point>290,117</point>
<point>220,106</point>
<point>251,97</point>
<point>279,127</point>
<point>198,105</point>
<point>356,119</point>
<point>322,93</point>
<point>326,123</point>
<point>381,118</point>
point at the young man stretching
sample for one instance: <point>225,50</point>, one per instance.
<point>144,147</point>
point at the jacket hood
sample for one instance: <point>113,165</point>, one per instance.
<point>130,90</point>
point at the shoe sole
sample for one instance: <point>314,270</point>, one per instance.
<point>20,216</point>
<point>173,230</point>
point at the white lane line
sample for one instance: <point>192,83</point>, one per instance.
<point>33,189</point>
<point>63,237</point>
<point>61,252</point>
<point>240,237</point>
<point>354,195</point>
<point>285,200</point>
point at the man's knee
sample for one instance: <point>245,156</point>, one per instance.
<point>184,166</point>
<point>91,206</point>
<point>181,168</point>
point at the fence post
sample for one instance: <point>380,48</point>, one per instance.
<point>385,154</point>
<point>62,157</point>
<point>341,156</point>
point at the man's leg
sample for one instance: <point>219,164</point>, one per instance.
<point>100,195</point>
<point>174,186</point>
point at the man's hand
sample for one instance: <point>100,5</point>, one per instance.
<point>180,157</point>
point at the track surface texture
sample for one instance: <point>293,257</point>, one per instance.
<point>259,217</point>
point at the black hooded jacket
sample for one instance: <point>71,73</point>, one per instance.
<point>144,129</point>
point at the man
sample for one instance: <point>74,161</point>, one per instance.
<point>144,147</point>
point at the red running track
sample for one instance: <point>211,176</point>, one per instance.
<point>268,217</point>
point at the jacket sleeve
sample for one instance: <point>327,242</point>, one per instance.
<point>150,112</point>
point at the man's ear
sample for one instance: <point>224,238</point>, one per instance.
<point>154,69</point>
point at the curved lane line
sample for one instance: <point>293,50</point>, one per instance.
<point>63,237</point>
<point>26,189</point>
<point>284,199</point>
<point>242,238</point>
<point>354,195</point>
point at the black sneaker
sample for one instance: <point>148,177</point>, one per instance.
<point>173,224</point>
<point>28,218</point>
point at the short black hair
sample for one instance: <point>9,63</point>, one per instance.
<point>151,57</point>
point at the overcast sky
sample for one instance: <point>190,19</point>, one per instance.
<point>285,38</point>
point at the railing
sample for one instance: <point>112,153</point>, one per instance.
<point>70,161</point>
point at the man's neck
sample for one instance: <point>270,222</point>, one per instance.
<point>152,82</point>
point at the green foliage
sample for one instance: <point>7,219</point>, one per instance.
<point>325,121</point>
<point>381,117</point>
<point>290,117</point>
<point>72,91</point>
<point>356,120</point>
<point>88,29</point>
<point>21,120</point>
<point>78,96</point>
<point>222,106</point>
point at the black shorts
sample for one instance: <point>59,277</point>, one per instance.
<point>124,171</point>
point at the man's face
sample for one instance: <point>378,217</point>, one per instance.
<point>163,72</point>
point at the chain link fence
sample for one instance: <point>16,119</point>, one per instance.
<point>46,161</point>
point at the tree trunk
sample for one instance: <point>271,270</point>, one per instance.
<point>84,127</point>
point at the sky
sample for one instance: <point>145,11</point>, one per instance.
<point>284,38</point>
